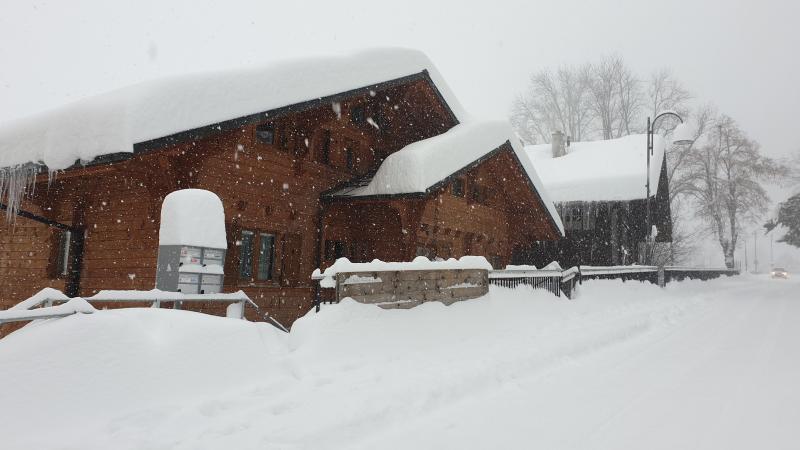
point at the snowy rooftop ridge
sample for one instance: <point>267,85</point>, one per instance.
<point>609,170</point>
<point>421,165</point>
<point>115,121</point>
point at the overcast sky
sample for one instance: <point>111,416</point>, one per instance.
<point>740,55</point>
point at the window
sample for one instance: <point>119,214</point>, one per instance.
<point>334,250</point>
<point>475,192</point>
<point>458,187</point>
<point>379,121</point>
<point>350,158</point>
<point>577,215</point>
<point>61,254</point>
<point>266,133</point>
<point>357,115</point>
<point>283,141</point>
<point>325,150</point>
<point>573,217</point>
<point>266,253</point>
<point>246,255</point>
<point>256,250</point>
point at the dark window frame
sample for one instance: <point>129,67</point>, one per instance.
<point>260,263</point>
<point>358,115</point>
<point>62,253</point>
<point>475,192</point>
<point>325,147</point>
<point>246,254</point>
<point>251,255</point>
<point>265,133</point>
<point>335,249</point>
<point>350,158</point>
<point>458,187</point>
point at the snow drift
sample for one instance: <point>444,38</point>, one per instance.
<point>625,366</point>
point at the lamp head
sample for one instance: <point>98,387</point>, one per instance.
<point>683,134</point>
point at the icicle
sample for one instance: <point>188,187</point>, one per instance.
<point>15,182</point>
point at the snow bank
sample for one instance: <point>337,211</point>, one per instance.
<point>192,217</point>
<point>420,165</point>
<point>607,170</point>
<point>117,361</point>
<point>114,121</point>
<point>626,365</point>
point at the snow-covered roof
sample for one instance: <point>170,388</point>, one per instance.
<point>113,122</point>
<point>610,170</point>
<point>422,164</point>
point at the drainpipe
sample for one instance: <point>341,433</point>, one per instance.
<point>318,252</point>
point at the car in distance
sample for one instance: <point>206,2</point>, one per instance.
<point>779,272</point>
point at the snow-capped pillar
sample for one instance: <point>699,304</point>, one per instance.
<point>192,243</point>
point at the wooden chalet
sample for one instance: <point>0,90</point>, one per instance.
<point>599,188</point>
<point>303,182</point>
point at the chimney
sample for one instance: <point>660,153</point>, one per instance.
<point>557,144</point>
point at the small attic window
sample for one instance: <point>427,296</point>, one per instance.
<point>350,158</point>
<point>266,133</point>
<point>357,115</point>
<point>458,187</point>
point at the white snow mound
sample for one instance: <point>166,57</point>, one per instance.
<point>192,217</point>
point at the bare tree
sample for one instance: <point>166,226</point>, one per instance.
<point>666,93</point>
<point>554,101</point>
<point>600,78</point>
<point>679,179</point>
<point>630,101</point>
<point>726,175</point>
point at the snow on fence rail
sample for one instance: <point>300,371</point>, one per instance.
<point>653,274</point>
<point>42,305</point>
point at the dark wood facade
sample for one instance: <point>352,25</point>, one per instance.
<point>604,233</point>
<point>271,171</point>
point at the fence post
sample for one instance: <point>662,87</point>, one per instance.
<point>661,279</point>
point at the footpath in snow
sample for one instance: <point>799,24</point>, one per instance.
<point>705,365</point>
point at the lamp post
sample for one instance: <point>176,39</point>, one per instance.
<point>682,135</point>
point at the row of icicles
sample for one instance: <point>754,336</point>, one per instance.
<point>15,183</point>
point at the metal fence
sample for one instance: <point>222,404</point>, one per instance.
<point>553,281</point>
<point>565,282</point>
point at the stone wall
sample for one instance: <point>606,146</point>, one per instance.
<point>406,289</point>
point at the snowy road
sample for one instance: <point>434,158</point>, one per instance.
<point>726,378</point>
<point>626,366</point>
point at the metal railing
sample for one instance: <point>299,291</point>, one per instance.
<point>52,304</point>
<point>565,282</point>
<point>553,281</point>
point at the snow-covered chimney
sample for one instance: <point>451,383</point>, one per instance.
<point>557,144</point>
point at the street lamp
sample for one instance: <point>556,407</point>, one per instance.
<point>681,135</point>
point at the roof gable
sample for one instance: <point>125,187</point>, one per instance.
<point>422,167</point>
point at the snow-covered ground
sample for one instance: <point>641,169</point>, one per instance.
<point>625,366</point>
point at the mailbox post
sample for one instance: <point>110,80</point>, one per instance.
<point>192,243</point>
